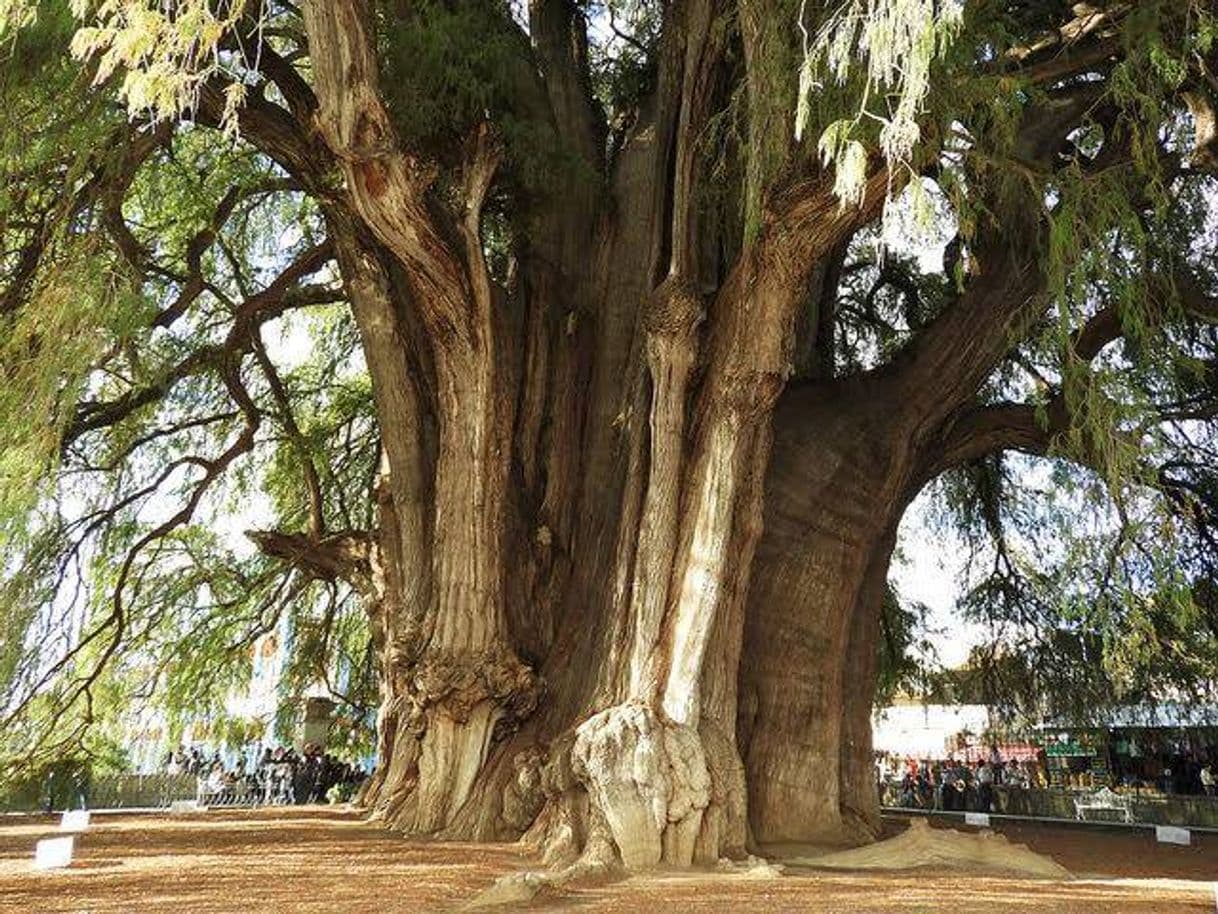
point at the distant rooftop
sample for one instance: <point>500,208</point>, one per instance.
<point>1168,715</point>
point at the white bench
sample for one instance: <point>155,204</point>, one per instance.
<point>240,793</point>
<point>1105,800</point>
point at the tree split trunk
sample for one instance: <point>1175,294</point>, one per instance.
<point>809,670</point>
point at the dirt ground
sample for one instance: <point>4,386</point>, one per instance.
<point>323,860</point>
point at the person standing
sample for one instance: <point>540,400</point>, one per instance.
<point>949,788</point>
<point>52,785</point>
<point>966,793</point>
<point>1207,779</point>
<point>996,764</point>
<point>81,778</point>
<point>985,786</point>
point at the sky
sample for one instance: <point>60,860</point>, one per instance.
<point>930,570</point>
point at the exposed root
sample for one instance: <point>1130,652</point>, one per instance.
<point>448,709</point>
<point>522,796</point>
<point>724,829</point>
<point>519,888</point>
<point>751,867</point>
<point>648,778</point>
<point>625,791</point>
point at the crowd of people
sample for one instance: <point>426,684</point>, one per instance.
<point>952,785</point>
<point>1169,768</point>
<point>277,776</point>
<point>960,786</point>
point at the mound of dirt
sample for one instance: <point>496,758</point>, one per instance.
<point>920,845</point>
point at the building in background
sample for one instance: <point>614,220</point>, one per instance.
<point>926,731</point>
<point>248,721</point>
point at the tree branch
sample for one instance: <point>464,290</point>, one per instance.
<point>110,177</point>
<point>1105,326</point>
<point>387,184</point>
<point>560,34</point>
<point>346,555</point>
<point>281,295</point>
<point>275,132</point>
<point>317,518</point>
<point>985,430</point>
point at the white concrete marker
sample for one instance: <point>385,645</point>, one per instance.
<point>53,853</point>
<point>1169,834</point>
<point>185,807</point>
<point>75,820</point>
<point>977,818</point>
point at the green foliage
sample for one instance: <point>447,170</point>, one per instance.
<point>164,52</point>
<point>447,67</point>
<point>332,650</point>
<point>623,53</point>
<point>105,612</point>
<point>1090,601</point>
<point>56,782</point>
<point>82,308</point>
<point>1091,579</point>
<point>896,42</point>
<point>905,651</point>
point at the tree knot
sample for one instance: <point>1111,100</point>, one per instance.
<point>675,309</point>
<point>462,680</point>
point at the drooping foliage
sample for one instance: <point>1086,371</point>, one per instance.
<point>141,267</point>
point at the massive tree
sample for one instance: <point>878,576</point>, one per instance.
<point>621,373</point>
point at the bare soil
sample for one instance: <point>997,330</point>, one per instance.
<point>326,860</point>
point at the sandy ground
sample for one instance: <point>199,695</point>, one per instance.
<point>322,860</point>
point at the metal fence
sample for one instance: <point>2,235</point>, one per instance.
<point>1148,807</point>
<point>112,791</point>
<point>158,791</point>
<point>126,791</point>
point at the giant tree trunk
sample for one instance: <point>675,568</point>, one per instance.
<point>625,578</point>
<point>579,467</point>
<point>850,456</point>
<point>833,504</point>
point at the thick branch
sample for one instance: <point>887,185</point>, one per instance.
<point>1058,46</point>
<point>275,132</point>
<point>986,430</point>
<point>1106,327</point>
<point>345,556</point>
<point>283,402</point>
<point>388,185</point>
<point>560,33</point>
